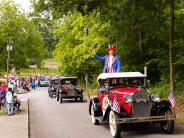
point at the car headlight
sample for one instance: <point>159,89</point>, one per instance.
<point>155,97</point>
<point>128,98</point>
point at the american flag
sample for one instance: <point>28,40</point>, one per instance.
<point>172,99</point>
<point>116,104</point>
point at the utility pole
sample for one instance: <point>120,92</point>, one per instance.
<point>86,77</point>
<point>9,48</point>
<point>172,21</point>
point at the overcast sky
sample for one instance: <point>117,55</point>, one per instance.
<point>25,4</point>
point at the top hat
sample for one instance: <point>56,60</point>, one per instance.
<point>110,47</point>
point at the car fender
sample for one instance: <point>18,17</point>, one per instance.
<point>162,105</point>
<point>96,105</point>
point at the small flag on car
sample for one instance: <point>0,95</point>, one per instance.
<point>172,99</point>
<point>116,104</point>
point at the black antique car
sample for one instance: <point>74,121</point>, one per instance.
<point>53,87</point>
<point>68,90</point>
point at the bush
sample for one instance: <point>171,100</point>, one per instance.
<point>161,88</point>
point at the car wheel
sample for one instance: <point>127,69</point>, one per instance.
<point>57,97</point>
<point>51,95</point>
<point>115,127</point>
<point>81,98</point>
<point>61,99</point>
<point>93,119</point>
<point>168,125</point>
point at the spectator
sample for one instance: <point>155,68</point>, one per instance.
<point>11,86</point>
<point>3,91</point>
<point>9,101</point>
<point>33,84</point>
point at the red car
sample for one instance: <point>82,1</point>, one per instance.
<point>123,99</point>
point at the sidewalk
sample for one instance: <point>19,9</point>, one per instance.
<point>15,126</point>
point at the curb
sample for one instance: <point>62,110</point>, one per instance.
<point>28,118</point>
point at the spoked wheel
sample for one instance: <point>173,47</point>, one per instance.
<point>76,99</point>
<point>61,99</point>
<point>168,125</point>
<point>57,97</point>
<point>51,95</point>
<point>93,119</point>
<point>115,127</point>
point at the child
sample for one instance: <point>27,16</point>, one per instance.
<point>9,101</point>
<point>33,84</point>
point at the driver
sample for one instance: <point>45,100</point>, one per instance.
<point>104,87</point>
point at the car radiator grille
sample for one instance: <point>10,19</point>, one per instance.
<point>71,92</point>
<point>140,105</point>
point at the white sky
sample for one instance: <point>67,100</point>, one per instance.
<point>24,4</point>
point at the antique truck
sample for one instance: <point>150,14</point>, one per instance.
<point>123,98</point>
<point>68,90</point>
<point>53,87</point>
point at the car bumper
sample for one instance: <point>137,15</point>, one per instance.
<point>146,119</point>
<point>70,97</point>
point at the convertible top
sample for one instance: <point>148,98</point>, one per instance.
<point>121,75</point>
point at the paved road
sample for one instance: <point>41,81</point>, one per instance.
<point>50,119</point>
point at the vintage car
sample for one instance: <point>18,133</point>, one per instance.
<point>122,98</point>
<point>68,90</point>
<point>44,82</point>
<point>53,87</point>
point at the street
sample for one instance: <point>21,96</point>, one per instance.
<point>50,119</point>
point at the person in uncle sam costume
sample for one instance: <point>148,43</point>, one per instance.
<point>112,62</point>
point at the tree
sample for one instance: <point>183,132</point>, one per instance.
<point>27,41</point>
<point>74,49</point>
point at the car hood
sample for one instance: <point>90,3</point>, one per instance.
<point>126,90</point>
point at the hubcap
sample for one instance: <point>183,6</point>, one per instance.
<point>112,123</point>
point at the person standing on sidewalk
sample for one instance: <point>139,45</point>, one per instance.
<point>3,91</point>
<point>9,101</point>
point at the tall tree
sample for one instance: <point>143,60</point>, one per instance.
<point>27,41</point>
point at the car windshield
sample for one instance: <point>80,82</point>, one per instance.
<point>69,81</point>
<point>126,82</point>
<point>44,80</point>
<point>56,81</point>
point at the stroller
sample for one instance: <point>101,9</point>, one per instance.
<point>26,87</point>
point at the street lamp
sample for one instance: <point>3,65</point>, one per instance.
<point>9,49</point>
